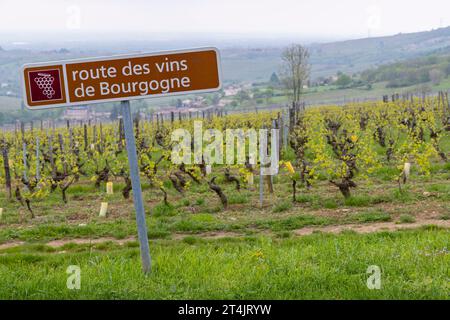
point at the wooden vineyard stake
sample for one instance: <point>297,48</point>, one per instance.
<point>38,164</point>
<point>103,209</point>
<point>24,158</point>
<point>407,170</point>
<point>109,188</point>
<point>4,151</point>
<point>250,179</point>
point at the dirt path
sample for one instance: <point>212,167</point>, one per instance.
<point>372,227</point>
<point>62,242</point>
<point>178,236</point>
<point>8,245</point>
<point>59,243</point>
<point>335,229</point>
<point>207,235</point>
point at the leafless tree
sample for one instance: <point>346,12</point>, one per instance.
<point>295,69</point>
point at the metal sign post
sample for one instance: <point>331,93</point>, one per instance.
<point>136,185</point>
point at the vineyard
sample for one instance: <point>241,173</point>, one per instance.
<point>368,180</point>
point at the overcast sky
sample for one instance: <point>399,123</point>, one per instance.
<point>312,18</point>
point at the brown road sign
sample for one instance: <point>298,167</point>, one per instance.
<point>118,78</point>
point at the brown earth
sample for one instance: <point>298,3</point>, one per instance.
<point>334,229</point>
<point>373,227</point>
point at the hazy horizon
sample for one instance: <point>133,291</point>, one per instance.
<point>203,21</point>
<point>137,41</point>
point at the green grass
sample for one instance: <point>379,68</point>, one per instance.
<point>163,210</point>
<point>238,198</point>
<point>184,203</point>
<point>404,195</point>
<point>407,218</point>
<point>293,222</point>
<point>330,204</point>
<point>373,216</point>
<point>386,173</point>
<point>357,201</point>
<point>192,240</point>
<point>442,190</point>
<point>314,267</point>
<point>282,206</point>
<point>306,198</point>
<point>200,201</point>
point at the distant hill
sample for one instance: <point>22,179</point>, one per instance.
<point>358,55</point>
<point>327,59</point>
<point>433,67</point>
<point>245,63</point>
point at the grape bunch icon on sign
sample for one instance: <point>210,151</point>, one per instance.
<point>45,83</point>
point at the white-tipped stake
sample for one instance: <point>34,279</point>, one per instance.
<point>208,169</point>
<point>250,179</point>
<point>1,213</point>
<point>109,188</point>
<point>407,169</point>
<point>103,209</point>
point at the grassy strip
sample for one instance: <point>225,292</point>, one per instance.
<point>414,266</point>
